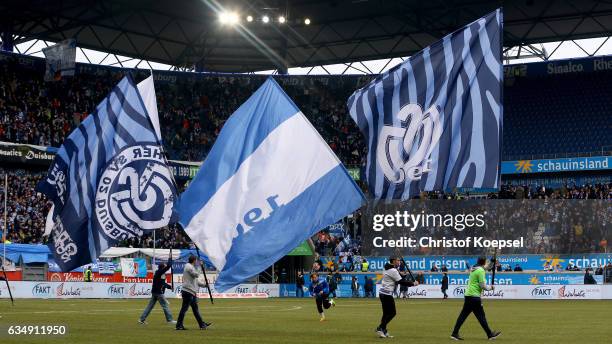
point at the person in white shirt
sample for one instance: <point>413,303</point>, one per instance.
<point>391,278</point>
<point>189,293</point>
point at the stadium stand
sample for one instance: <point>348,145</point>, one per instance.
<point>26,208</point>
<point>544,115</point>
<point>557,114</point>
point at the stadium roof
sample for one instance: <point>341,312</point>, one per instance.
<point>188,32</point>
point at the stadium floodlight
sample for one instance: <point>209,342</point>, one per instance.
<point>281,20</point>
<point>265,19</point>
<point>307,21</point>
<point>249,18</point>
<point>229,18</point>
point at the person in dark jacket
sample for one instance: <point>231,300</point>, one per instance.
<point>333,285</point>
<point>157,293</point>
<point>368,287</point>
<point>299,285</point>
<point>445,285</point>
<point>588,277</point>
<point>355,287</point>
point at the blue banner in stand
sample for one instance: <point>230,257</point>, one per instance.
<point>595,163</point>
<point>505,278</point>
<point>461,263</point>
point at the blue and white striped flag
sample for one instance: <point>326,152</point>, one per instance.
<point>109,180</point>
<point>269,182</point>
<point>434,122</point>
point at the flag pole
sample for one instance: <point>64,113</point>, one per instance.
<point>171,272</point>
<point>494,267</point>
<point>4,238</point>
<point>174,232</point>
<point>408,269</point>
<point>154,246</point>
<point>7,284</point>
<point>5,218</point>
<point>161,146</point>
<point>205,277</point>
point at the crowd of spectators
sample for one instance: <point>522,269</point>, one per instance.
<point>568,191</point>
<point>26,209</point>
<point>192,112</point>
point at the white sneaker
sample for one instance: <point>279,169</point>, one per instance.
<point>380,333</point>
<point>142,322</point>
<point>322,318</point>
<point>171,322</point>
<point>332,302</point>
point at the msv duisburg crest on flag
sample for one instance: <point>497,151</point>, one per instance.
<point>434,122</point>
<point>109,181</point>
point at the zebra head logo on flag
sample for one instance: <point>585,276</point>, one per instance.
<point>434,122</point>
<point>415,139</point>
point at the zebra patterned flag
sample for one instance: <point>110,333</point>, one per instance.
<point>109,181</point>
<point>434,122</point>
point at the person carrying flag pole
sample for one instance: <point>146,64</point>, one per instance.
<point>473,303</point>
<point>189,293</point>
<point>157,293</point>
<point>391,278</point>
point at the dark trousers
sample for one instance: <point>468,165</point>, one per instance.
<point>189,300</point>
<point>444,292</point>
<point>322,302</point>
<point>388,308</point>
<point>472,304</point>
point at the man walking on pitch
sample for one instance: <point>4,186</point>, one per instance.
<point>157,293</point>
<point>445,285</point>
<point>391,278</point>
<point>319,289</point>
<point>189,293</point>
<point>473,303</point>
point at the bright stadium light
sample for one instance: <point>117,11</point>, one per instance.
<point>249,18</point>
<point>281,20</point>
<point>229,18</point>
<point>265,19</point>
<point>307,21</point>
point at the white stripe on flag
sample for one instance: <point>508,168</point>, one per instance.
<point>291,158</point>
<point>146,88</point>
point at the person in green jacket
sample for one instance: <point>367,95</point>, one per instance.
<point>473,303</point>
<point>88,274</point>
<point>365,266</point>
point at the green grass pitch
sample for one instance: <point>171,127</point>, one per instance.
<point>296,321</point>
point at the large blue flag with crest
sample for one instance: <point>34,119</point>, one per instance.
<point>434,122</point>
<point>109,180</point>
<point>269,182</point>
